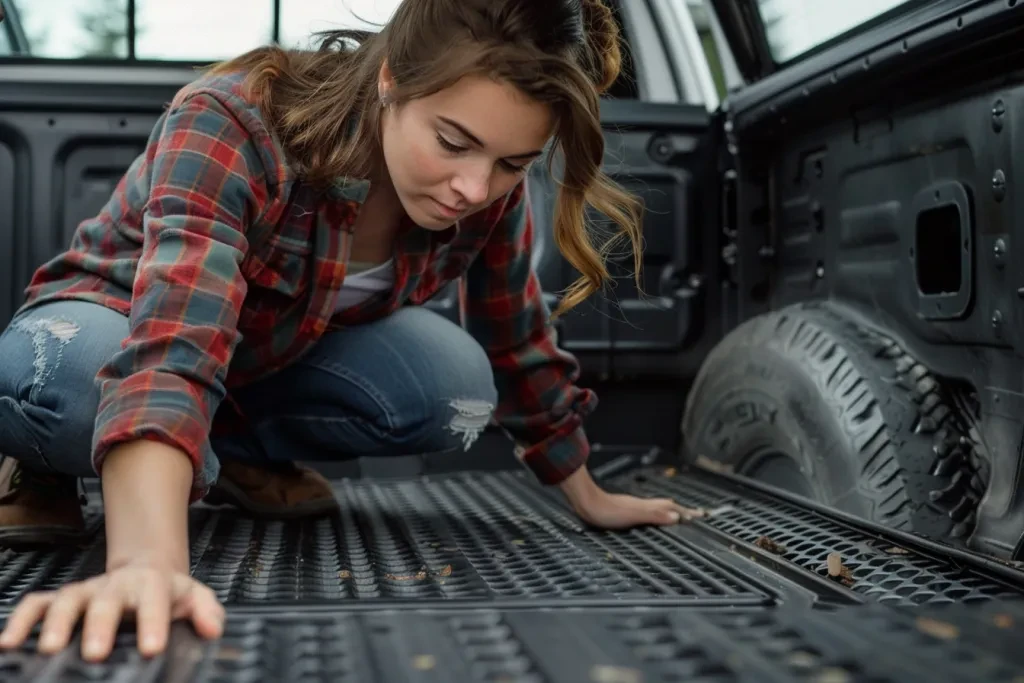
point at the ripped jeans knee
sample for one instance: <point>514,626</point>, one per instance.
<point>469,419</point>
<point>48,396</point>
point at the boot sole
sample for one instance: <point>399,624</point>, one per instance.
<point>41,535</point>
<point>226,493</point>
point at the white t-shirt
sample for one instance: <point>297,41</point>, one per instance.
<point>363,280</point>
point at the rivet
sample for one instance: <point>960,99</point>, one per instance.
<point>999,185</point>
<point>999,252</point>
<point>997,321</point>
<point>998,114</point>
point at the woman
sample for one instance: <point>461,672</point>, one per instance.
<point>288,216</point>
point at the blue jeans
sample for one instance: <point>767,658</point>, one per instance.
<point>410,383</point>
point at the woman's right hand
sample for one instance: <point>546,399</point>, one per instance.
<point>153,594</point>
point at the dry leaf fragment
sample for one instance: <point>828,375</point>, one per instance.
<point>896,550</point>
<point>937,629</point>
<point>518,541</point>
<point>1003,620</point>
<point>772,546</point>
<point>418,576</point>
<point>344,575</point>
<point>615,674</point>
<point>670,472</point>
<point>424,662</point>
<point>713,465</point>
<point>832,674</point>
<point>802,660</point>
<point>229,654</point>
<point>720,510</point>
<point>421,575</point>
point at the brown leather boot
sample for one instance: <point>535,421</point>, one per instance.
<point>37,509</point>
<point>280,491</point>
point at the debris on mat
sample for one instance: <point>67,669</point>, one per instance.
<point>769,544</point>
<point>837,571</point>
<point>937,629</point>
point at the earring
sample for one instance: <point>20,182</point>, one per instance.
<point>385,99</point>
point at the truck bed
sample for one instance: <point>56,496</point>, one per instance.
<point>485,576</point>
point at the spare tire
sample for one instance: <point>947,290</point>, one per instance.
<point>808,400</point>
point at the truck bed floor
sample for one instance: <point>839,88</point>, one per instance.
<point>487,577</point>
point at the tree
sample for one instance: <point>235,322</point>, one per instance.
<point>106,24</point>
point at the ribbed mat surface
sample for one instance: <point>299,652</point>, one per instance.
<point>469,536</point>
<point>881,644</point>
<point>879,570</point>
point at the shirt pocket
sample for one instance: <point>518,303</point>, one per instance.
<point>280,268</point>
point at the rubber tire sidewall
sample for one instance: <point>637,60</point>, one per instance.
<point>754,392</point>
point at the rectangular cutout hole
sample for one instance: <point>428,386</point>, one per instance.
<point>937,256</point>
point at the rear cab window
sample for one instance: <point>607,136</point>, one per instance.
<point>196,32</point>
<point>794,28</point>
<point>193,31</point>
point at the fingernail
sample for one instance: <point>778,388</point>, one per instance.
<point>150,643</point>
<point>93,648</point>
<point>49,642</point>
<point>675,517</point>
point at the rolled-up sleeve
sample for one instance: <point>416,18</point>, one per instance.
<point>206,184</point>
<point>539,404</point>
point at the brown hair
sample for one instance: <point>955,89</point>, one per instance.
<point>564,53</point>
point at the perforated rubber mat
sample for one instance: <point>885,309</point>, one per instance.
<point>463,537</point>
<point>977,643</point>
<point>878,569</point>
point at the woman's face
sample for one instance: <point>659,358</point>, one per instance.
<point>455,152</point>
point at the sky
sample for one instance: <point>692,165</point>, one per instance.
<point>215,29</point>
<point>196,29</point>
<point>808,23</point>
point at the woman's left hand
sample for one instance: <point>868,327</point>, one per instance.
<point>599,508</point>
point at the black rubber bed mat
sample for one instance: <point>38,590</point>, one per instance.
<point>488,577</point>
<point>497,538</point>
<point>462,537</point>
<point>879,565</point>
<point>876,643</point>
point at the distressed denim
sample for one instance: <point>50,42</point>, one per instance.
<point>412,382</point>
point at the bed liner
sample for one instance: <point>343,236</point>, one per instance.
<point>485,576</point>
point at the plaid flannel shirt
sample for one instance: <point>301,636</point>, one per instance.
<point>229,268</point>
